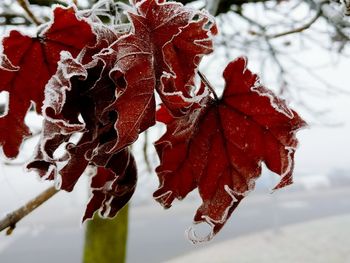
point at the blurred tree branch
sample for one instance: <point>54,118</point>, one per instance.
<point>26,7</point>
<point>14,19</point>
<point>303,27</point>
<point>11,219</point>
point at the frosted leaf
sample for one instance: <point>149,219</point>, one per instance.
<point>220,149</point>
<point>6,64</point>
<point>112,186</point>
<point>25,85</point>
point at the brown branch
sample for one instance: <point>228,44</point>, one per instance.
<point>25,5</point>
<point>11,219</point>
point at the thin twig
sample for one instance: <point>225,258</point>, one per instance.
<point>208,85</point>
<point>11,219</point>
<point>301,28</point>
<point>271,49</point>
<point>24,4</point>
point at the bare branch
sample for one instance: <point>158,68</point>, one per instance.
<point>301,28</point>
<point>11,219</point>
<point>25,5</point>
<point>271,49</point>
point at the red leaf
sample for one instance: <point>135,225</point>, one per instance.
<point>182,55</point>
<point>113,186</point>
<point>162,52</point>
<point>75,90</point>
<point>36,59</point>
<point>86,91</point>
<point>219,147</point>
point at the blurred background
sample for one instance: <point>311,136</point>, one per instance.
<point>300,49</point>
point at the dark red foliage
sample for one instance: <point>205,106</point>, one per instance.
<point>219,147</point>
<point>113,186</point>
<point>75,82</point>
<point>35,60</point>
<point>85,90</point>
<point>95,87</point>
<point>162,52</point>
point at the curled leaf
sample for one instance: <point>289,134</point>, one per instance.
<point>112,186</point>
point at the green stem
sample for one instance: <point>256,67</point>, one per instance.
<point>106,239</point>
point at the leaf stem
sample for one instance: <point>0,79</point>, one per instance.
<point>208,85</point>
<point>25,5</point>
<point>11,219</point>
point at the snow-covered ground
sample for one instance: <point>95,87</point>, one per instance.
<point>302,243</point>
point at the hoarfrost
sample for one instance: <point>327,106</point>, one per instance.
<point>5,64</point>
